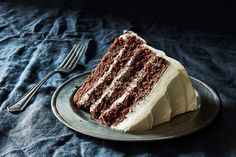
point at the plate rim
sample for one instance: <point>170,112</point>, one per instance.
<point>187,132</point>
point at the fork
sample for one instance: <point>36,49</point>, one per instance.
<point>66,66</point>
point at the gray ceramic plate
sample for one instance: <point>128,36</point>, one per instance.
<point>181,125</point>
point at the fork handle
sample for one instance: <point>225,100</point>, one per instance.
<point>21,103</point>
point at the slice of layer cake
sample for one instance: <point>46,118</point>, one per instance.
<point>136,87</point>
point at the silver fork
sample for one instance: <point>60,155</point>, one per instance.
<point>66,66</point>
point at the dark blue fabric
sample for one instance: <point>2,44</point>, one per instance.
<point>34,40</point>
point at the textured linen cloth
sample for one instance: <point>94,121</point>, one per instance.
<point>35,38</point>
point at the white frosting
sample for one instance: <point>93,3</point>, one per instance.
<point>172,95</point>
<point>130,33</point>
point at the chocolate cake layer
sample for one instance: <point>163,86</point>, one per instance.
<point>153,72</point>
<point>88,94</point>
<point>120,85</point>
<point>99,90</point>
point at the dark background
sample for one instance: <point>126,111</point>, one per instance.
<point>207,16</point>
<point>36,35</point>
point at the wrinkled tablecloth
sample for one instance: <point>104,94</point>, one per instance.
<point>34,40</point>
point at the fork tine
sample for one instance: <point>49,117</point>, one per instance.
<point>68,56</point>
<point>71,56</point>
<point>75,60</point>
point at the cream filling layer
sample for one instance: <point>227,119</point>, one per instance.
<point>132,85</point>
<point>85,97</point>
<point>110,89</point>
